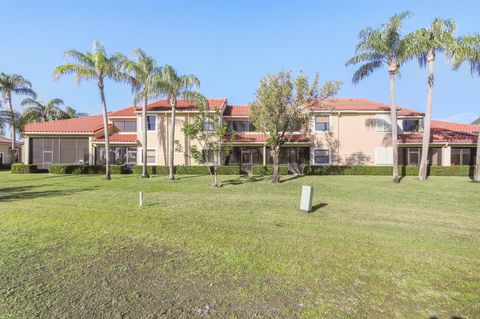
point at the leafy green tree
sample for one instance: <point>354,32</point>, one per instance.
<point>282,105</point>
<point>425,44</point>
<point>210,133</point>
<point>378,48</point>
<point>468,50</point>
<point>38,111</point>
<point>71,113</point>
<point>96,65</point>
<point>144,74</point>
<point>14,84</point>
<point>175,86</point>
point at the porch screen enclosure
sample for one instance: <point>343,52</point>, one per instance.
<point>46,151</point>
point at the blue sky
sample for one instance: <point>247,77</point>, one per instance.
<point>230,45</point>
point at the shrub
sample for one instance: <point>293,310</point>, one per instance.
<point>85,169</point>
<point>19,168</point>
<point>152,170</point>
<point>268,170</point>
<point>387,170</point>
<point>5,167</point>
<point>228,170</point>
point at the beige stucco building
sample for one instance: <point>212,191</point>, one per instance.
<point>343,131</point>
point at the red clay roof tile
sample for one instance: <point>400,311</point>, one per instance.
<point>5,140</point>
<point>237,111</point>
<point>119,138</point>
<point>88,124</point>
<point>445,132</point>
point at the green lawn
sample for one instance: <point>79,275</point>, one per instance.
<point>80,247</point>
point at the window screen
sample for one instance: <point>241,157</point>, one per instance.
<point>322,123</point>
<point>322,156</point>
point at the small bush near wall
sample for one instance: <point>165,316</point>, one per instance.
<point>19,168</point>
<point>268,170</point>
<point>152,170</point>
<point>5,167</point>
<point>187,170</point>
<point>387,170</point>
<point>84,169</point>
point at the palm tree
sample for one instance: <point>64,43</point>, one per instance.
<point>42,112</point>
<point>476,122</point>
<point>469,50</point>
<point>71,113</point>
<point>380,47</point>
<point>14,84</point>
<point>96,65</point>
<point>426,43</point>
<point>174,86</point>
<point>144,73</point>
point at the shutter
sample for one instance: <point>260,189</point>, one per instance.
<point>383,156</point>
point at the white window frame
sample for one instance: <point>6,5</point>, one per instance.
<point>322,149</point>
<point>141,155</point>
<point>329,122</point>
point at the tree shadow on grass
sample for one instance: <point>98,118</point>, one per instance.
<point>9,194</point>
<point>243,180</point>
<point>452,317</point>
<point>290,178</point>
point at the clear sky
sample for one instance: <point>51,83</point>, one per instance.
<point>230,45</point>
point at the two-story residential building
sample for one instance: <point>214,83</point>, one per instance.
<point>344,131</point>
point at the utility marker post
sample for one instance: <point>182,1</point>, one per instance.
<point>306,199</point>
<point>141,199</point>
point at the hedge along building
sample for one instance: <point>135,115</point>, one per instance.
<point>343,131</point>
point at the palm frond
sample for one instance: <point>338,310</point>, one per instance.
<point>365,70</point>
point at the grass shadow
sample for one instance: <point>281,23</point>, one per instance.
<point>243,180</point>
<point>9,194</point>
<point>290,178</point>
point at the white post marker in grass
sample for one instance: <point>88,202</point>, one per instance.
<point>141,199</point>
<point>306,199</point>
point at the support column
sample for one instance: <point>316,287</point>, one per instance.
<point>25,151</point>
<point>264,155</point>
<point>446,155</point>
<point>91,152</point>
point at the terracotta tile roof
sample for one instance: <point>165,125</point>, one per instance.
<point>237,111</point>
<point>119,138</point>
<point>359,104</point>
<point>5,140</point>
<point>452,126</point>
<point>129,111</point>
<point>258,137</point>
<point>88,124</point>
<point>183,105</point>
<point>445,132</point>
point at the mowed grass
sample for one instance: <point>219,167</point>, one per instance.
<point>80,247</point>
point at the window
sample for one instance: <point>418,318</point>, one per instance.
<point>322,123</point>
<point>151,122</point>
<point>321,156</point>
<point>383,123</point>
<point>413,156</point>
<point>239,126</point>
<point>208,126</point>
<point>411,125</point>
<point>126,126</point>
<point>132,155</point>
<point>462,156</point>
<point>151,156</point>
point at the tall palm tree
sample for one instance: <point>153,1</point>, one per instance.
<point>96,65</point>
<point>144,73</point>
<point>38,111</point>
<point>426,43</point>
<point>14,84</point>
<point>469,50</point>
<point>381,47</point>
<point>71,113</point>
<point>174,86</point>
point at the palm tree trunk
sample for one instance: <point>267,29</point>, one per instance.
<point>171,146</point>
<point>393,115</point>
<point>275,152</point>
<point>12,127</point>
<point>422,172</point>
<point>105,129</point>
<point>144,139</point>
<point>477,161</point>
